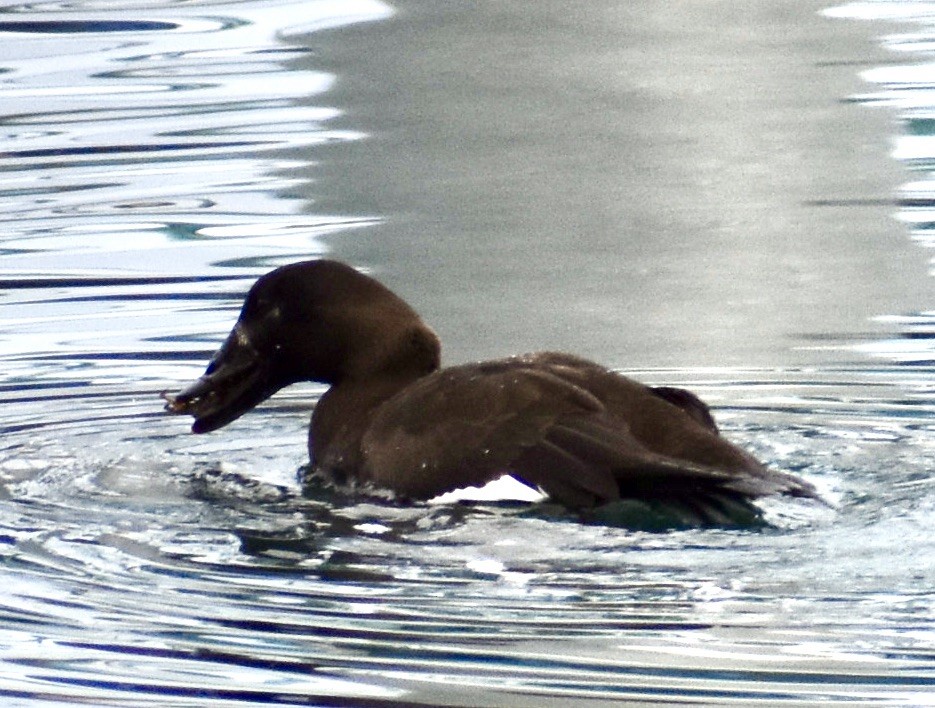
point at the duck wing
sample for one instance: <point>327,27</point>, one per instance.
<point>688,402</point>
<point>464,426</point>
<point>583,434</point>
<point>602,445</point>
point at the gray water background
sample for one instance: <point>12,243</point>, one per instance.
<point>732,197</point>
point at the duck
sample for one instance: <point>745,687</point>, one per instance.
<point>393,418</point>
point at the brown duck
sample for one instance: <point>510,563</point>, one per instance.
<point>392,418</point>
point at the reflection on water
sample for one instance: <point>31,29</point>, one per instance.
<point>164,137</point>
<point>149,174</point>
<point>906,86</point>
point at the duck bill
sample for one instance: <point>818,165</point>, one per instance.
<point>236,380</point>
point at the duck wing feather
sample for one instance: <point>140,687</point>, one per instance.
<point>464,426</point>
<point>584,435</point>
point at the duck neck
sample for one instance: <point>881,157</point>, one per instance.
<point>340,420</point>
<point>393,358</point>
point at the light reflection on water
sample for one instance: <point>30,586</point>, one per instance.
<point>143,189</point>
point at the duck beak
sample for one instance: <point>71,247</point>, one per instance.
<point>236,380</point>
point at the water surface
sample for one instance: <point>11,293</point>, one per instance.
<point>694,195</point>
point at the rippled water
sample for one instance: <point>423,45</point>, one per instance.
<point>151,168</point>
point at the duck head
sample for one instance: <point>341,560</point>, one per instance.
<point>311,321</point>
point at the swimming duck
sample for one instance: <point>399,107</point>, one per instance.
<point>582,434</point>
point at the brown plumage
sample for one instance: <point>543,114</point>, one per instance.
<point>581,433</point>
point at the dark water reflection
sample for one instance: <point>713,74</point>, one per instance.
<point>151,169</point>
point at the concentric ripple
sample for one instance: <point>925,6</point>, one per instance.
<point>154,564</point>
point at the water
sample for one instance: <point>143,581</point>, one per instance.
<point>153,166</point>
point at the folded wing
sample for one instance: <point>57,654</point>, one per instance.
<point>584,435</point>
